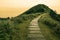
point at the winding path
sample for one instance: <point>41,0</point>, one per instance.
<point>34,31</point>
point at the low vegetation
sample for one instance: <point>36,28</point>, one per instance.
<point>49,27</point>
<point>15,28</point>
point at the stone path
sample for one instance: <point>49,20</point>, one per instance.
<point>34,31</point>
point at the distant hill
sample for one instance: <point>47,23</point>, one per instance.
<point>38,8</point>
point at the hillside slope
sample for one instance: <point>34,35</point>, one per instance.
<point>49,27</point>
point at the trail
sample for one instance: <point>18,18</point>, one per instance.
<point>34,30</point>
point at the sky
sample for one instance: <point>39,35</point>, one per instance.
<point>11,8</point>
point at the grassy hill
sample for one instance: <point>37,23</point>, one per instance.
<point>49,27</point>
<point>15,28</point>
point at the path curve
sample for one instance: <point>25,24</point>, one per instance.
<point>34,30</point>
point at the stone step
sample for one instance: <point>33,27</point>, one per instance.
<point>34,28</point>
<point>35,35</point>
<point>36,39</point>
<point>34,31</point>
<point>33,25</point>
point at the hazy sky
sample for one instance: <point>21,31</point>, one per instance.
<point>13,8</point>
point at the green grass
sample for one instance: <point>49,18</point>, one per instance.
<point>45,29</point>
<point>16,28</point>
<point>23,29</point>
<point>47,32</point>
